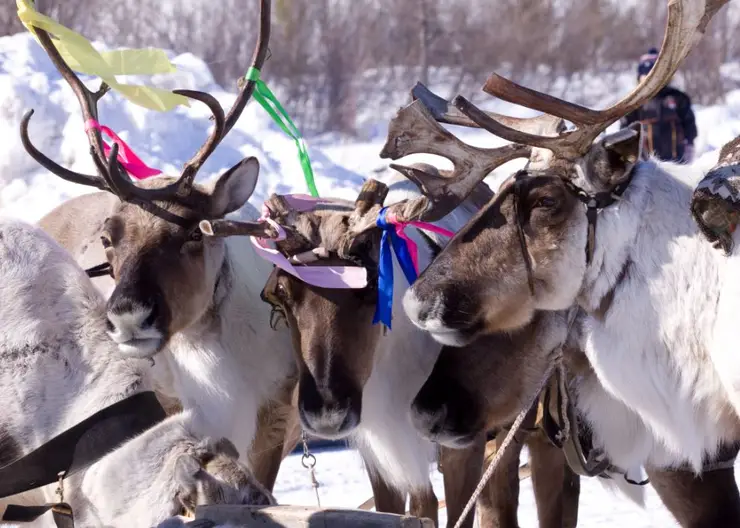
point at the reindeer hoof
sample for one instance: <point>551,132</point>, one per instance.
<point>210,473</point>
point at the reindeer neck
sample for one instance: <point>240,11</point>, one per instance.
<point>639,238</point>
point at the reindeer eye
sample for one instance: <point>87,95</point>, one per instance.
<point>106,242</point>
<point>545,201</point>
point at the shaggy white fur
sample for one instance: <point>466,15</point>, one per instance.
<point>404,358</point>
<point>58,366</point>
<point>664,355</point>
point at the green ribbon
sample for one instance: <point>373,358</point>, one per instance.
<point>267,100</point>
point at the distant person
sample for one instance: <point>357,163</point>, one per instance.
<point>667,119</point>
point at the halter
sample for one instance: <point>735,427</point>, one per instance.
<point>593,202</point>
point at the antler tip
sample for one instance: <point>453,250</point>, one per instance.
<point>206,227</point>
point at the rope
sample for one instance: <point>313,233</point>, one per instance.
<point>504,445</point>
<point>556,363</point>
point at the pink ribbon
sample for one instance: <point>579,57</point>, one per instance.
<point>335,277</point>
<point>413,248</point>
<point>339,277</point>
<point>130,161</point>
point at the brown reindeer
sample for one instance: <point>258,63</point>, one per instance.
<point>484,386</point>
<point>188,301</point>
<point>355,379</point>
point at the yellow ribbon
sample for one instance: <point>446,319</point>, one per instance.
<point>82,57</point>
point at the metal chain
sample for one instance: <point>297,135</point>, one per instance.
<point>308,461</point>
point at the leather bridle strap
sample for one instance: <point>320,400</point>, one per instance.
<point>77,448</point>
<point>520,229</point>
<point>594,203</point>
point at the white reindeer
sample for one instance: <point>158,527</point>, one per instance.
<point>58,366</point>
<point>194,300</point>
<point>659,301</point>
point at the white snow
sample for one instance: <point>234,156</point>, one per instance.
<point>343,483</point>
<point>167,140</point>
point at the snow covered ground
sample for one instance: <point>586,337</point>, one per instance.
<point>167,140</point>
<point>343,482</point>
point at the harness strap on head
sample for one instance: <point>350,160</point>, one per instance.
<point>592,214</point>
<point>594,203</point>
<point>520,230</point>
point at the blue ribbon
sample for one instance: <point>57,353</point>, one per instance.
<point>384,306</point>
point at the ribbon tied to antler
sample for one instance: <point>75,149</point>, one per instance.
<point>126,156</point>
<point>395,239</point>
<point>81,56</point>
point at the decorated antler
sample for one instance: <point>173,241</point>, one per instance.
<point>112,177</point>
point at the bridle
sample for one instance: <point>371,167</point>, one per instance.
<point>593,202</point>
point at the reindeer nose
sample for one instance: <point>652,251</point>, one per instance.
<point>123,324</point>
<point>134,326</point>
<point>430,422</point>
<point>325,414</point>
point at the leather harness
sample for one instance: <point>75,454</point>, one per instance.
<point>74,450</point>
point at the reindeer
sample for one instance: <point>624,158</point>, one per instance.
<point>656,327</point>
<point>483,387</point>
<point>468,390</point>
<point>355,380</point>
<point>59,366</point>
<point>192,303</point>
<point>174,289</point>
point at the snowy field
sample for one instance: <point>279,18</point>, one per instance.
<point>343,482</point>
<point>167,140</point>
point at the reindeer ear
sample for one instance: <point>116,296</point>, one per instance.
<point>613,160</point>
<point>234,187</point>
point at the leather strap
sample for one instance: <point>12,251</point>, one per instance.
<point>82,445</point>
<point>100,270</point>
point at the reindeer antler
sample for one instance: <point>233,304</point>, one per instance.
<point>414,129</point>
<point>112,177</point>
<point>687,22</point>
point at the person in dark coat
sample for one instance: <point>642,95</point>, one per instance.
<point>668,120</point>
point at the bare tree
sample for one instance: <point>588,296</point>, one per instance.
<point>329,58</point>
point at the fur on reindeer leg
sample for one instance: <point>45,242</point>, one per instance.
<point>164,472</point>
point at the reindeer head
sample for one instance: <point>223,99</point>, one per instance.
<point>485,386</point>
<point>333,333</point>
<point>165,270</point>
<point>528,249</point>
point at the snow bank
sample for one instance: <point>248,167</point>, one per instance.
<point>166,141</point>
